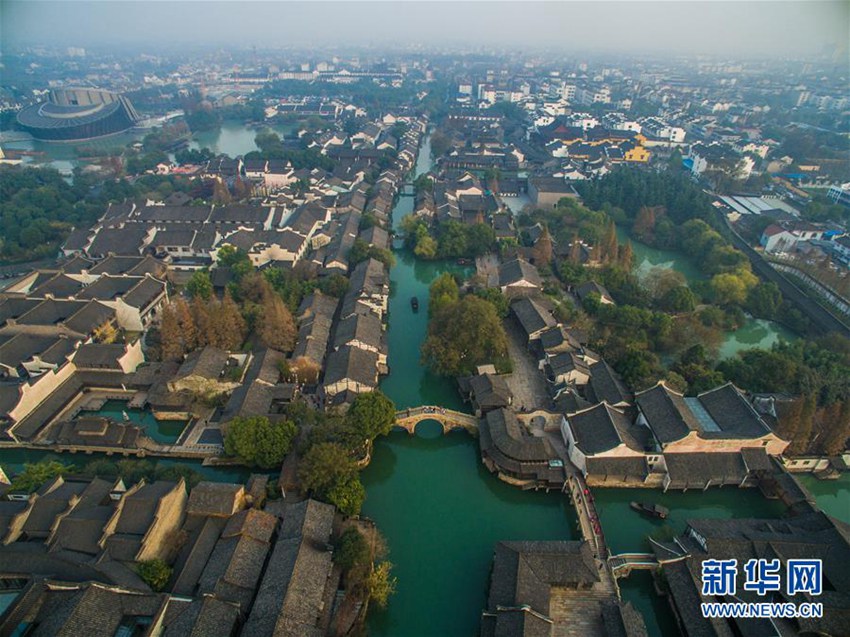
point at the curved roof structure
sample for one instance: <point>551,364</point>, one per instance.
<point>78,114</point>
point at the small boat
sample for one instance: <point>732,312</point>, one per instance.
<point>414,303</point>
<point>463,261</point>
<point>655,510</point>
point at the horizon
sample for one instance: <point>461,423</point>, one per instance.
<point>726,29</point>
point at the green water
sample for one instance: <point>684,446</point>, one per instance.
<point>626,530</point>
<point>754,333</point>
<point>833,496</point>
<point>64,157</point>
<point>165,431</point>
<point>233,138</point>
<point>439,509</point>
<point>441,513</point>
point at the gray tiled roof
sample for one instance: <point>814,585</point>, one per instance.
<point>667,413</point>
<point>532,316</point>
<point>289,602</point>
<point>602,428</point>
<point>518,270</point>
<point>732,413</point>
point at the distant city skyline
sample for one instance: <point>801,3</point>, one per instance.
<point>729,29</point>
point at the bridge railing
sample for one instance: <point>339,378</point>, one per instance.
<point>428,410</point>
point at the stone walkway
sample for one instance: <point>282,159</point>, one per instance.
<point>526,382</point>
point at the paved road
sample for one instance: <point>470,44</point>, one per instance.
<point>526,382</point>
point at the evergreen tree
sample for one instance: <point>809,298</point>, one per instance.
<point>836,428</point>
<point>227,327</point>
<point>627,257</point>
<point>802,438</point>
<point>221,195</point>
<point>644,226</point>
<point>276,326</point>
<point>789,420</point>
<point>203,321</point>
<point>542,251</point>
<point>171,342</point>
<point>610,247</point>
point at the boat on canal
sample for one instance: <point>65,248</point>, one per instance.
<point>414,303</point>
<point>653,510</point>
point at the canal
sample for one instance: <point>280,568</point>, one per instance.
<point>441,512</point>
<point>439,509</point>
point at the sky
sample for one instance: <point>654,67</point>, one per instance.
<point>762,28</point>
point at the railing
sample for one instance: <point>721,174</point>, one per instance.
<point>433,411</point>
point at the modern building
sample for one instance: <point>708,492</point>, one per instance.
<point>76,114</point>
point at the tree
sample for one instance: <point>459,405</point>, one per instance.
<point>155,573</point>
<point>171,346</point>
<point>202,319</point>
<point>542,250</point>
<point>731,288</point>
<point>610,247</point>
<point>351,550</point>
<point>106,332</point>
<point>381,584</point>
<point>227,327</point>
<point>277,327</point>
<point>200,285</point>
<point>788,422</point>
<point>443,291</point>
<point>678,299</point>
<point>627,257</point>
<point>371,414</point>
<point>328,472</point>
<point>323,465</point>
<point>803,436</point>
<point>426,247</point>
<point>259,442</point>
<point>347,495</point>
<point>837,428</point>
<point>764,300</point>
<point>221,195</point>
<point>464,334</point>
<point>644,225</point>
<point>35,475</point>
<point>302,370</point>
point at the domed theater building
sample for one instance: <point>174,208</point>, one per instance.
<point>76,114</point>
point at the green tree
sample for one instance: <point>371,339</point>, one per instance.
<point>200,285</point>
<point>35,475</point>
<point>347,495</point>
<point>259,442</point>
<point>764,300</point>
<point>371,414</point>
<point>328,472</point>
<point>464,334</point>
<point>678,299</point>
<point>351,550</point>
<point>443,291</point>
<point>155,573</point>
<point>426,247</point>
<point>324,465</point>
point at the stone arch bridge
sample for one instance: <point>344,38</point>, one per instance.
<point>450,419</point>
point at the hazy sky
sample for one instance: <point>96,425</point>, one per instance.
<point>733,28</point>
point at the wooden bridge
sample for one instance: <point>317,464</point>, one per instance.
<point>450,419</point>
<point>624,563</point>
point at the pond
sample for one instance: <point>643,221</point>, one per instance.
<point>754,333</point>
<point>234,138</point>
<point>165,431</point>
